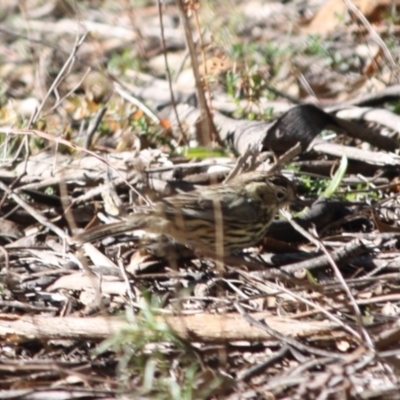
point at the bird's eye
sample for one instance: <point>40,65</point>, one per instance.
<point>280,194</point>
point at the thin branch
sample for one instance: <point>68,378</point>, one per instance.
<point>338,275</point>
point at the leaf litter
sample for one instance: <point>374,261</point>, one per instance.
<point>93,128</point>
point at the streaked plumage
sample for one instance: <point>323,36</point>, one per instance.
<point>219,219</point>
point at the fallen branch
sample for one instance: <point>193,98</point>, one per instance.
<point>200,327</point>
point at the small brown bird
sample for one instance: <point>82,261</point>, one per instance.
<point>221,219</point>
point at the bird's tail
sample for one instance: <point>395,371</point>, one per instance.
<point>114,229</point>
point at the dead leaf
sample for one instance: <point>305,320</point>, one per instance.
<point>333,13</point>
<point>382,226</point>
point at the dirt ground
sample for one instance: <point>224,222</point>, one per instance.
<point>106,108</point>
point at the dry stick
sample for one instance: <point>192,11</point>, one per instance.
<point>16,153</point>
<point>76,57</point>
<point>46,182</point>
<point>203,55</point>
<point>365,208</point>
<point>388,298</point>
<point>6,261</point>
<point>352,249</point>
<point>135,25</point>
<point>284,384</point>
<point>67,208</point>
<point>92,128</point>
<point>219,235</point>
<point>286,157</point>
<point>339,308</point>
<point>67,143</point>
<point>355,282</point>
<point>339,276</point>
<point>302,368</point>
<point>11,212</point>
<point>260,368</point>
<point>28,307</point>
<point>350,368</point>
<point>304,83</point>
<point>372,32</point>
<point>79,59</point>
<point>70,92</point>
<point>288,341</point>
<point>179,70</point>
<point>122,270</point>
<point>200,327</point>
<point>206,123</point>
<point>250,154</point>
<point>34,118</point>
<point>241,161</point>
<point>321,309</point>
<point>139,104</point>
<point>78,43</point>
<point>171,90</point>
<point>26,157</point>
<point>189,165</point>
<point>44,221</point>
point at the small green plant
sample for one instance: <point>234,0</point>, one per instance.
<point>151,135</point>
<point>127,60</point>
<point>231,82</point>
<point>337,178</point>
<point>202,153</point>
<point>314,187</point>
<point>316,46</point>
<point>274,56</point>
<point>396,108</point>
<point>391,43</point>
<point>362,192</point>
<point>249,84</point>
<point>244,51</point>
<point>9,145</point>
<point>153,357</point>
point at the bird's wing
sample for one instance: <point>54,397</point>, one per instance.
<point>206,204</point>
